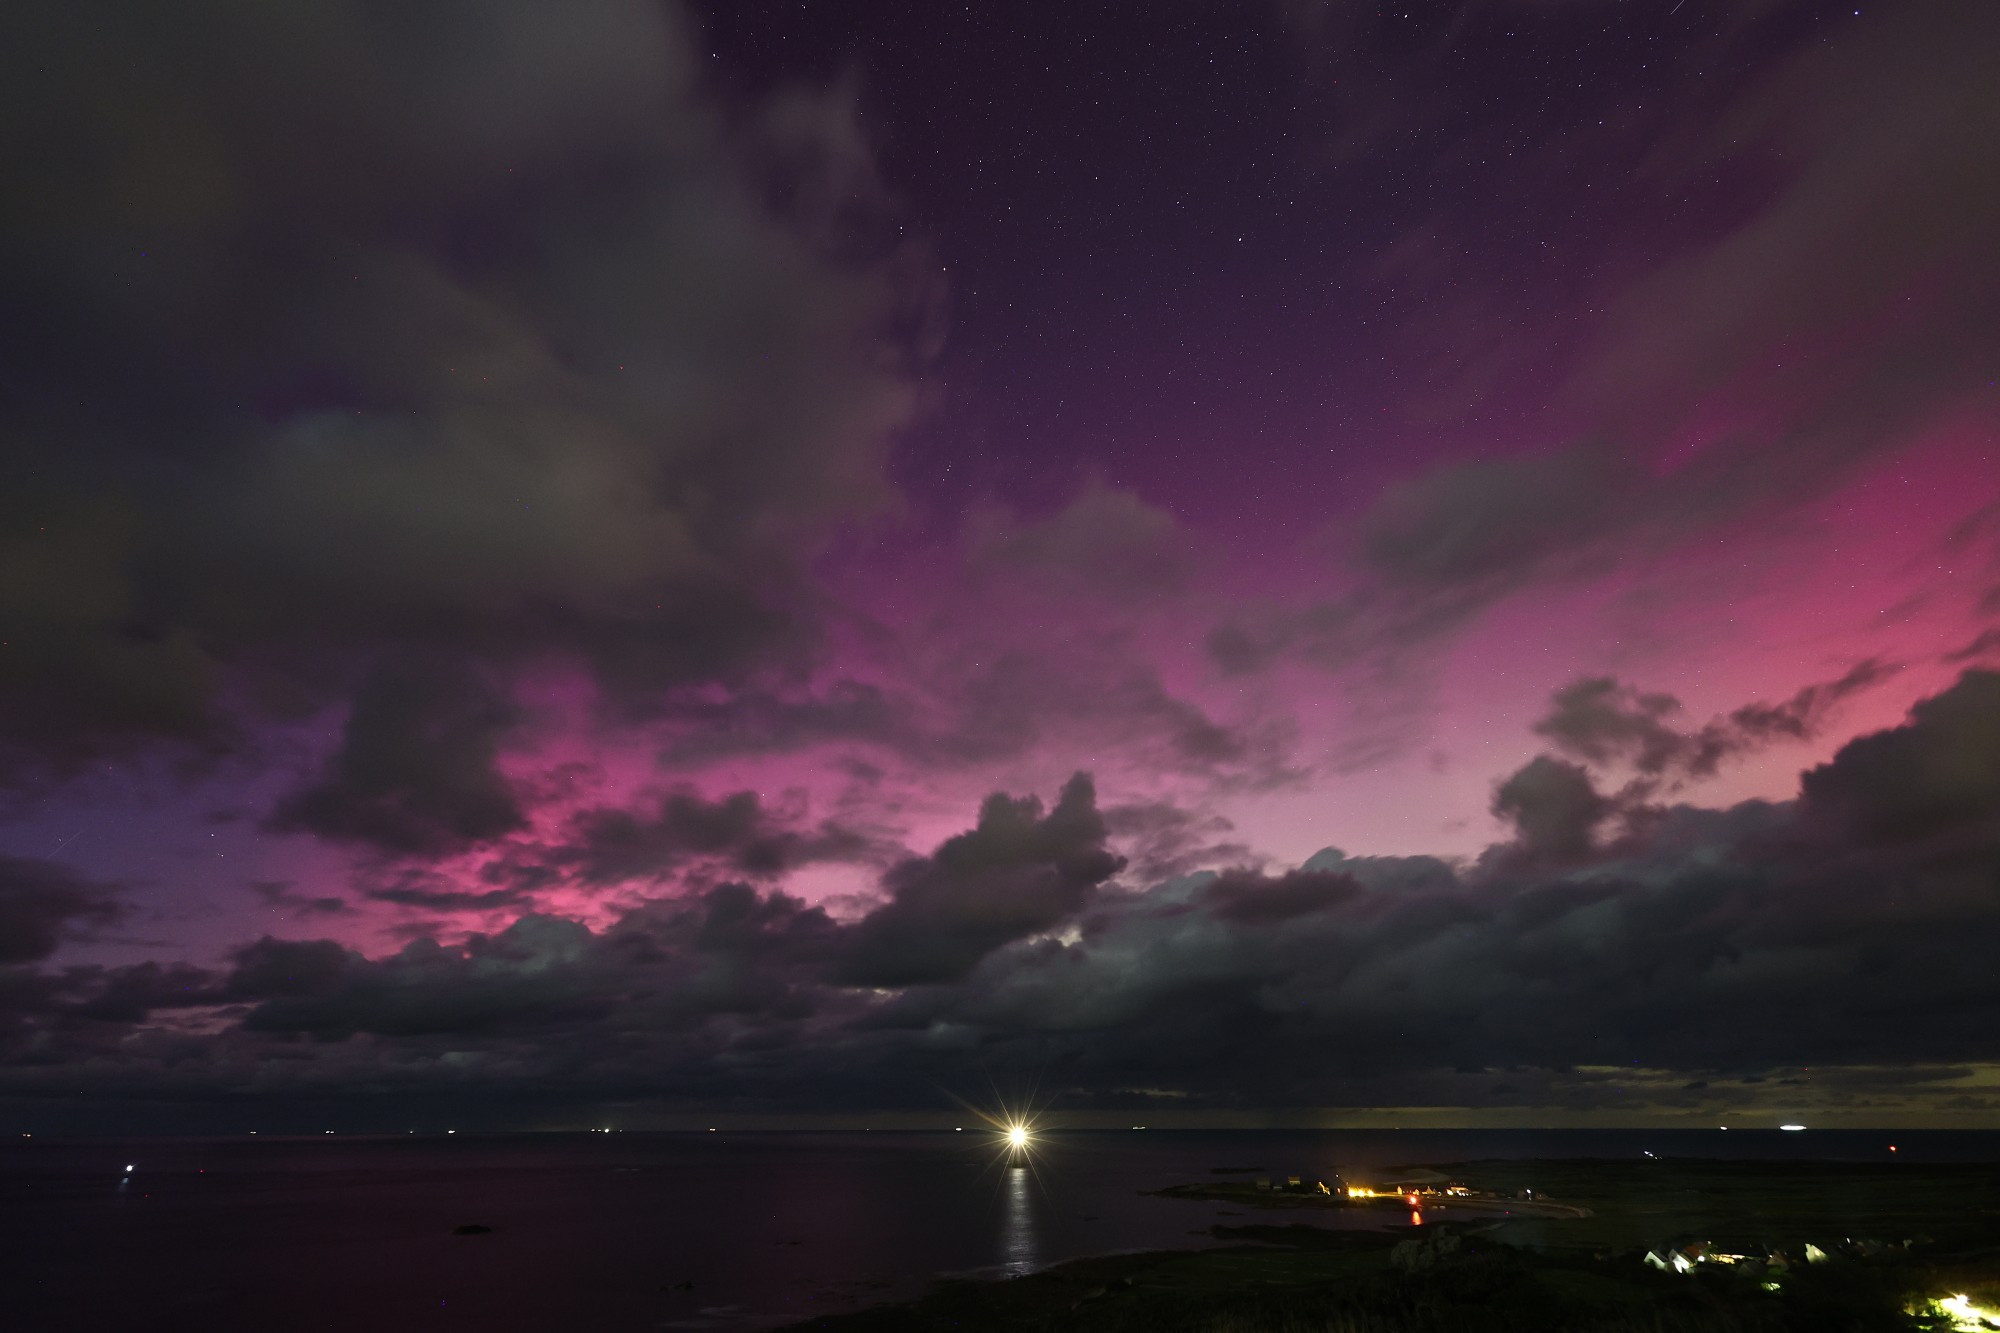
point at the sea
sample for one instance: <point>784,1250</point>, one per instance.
<point>631,1231</point>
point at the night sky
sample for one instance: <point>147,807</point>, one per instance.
<point>759,563</point>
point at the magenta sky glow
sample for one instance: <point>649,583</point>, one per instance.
<point>492,524</point>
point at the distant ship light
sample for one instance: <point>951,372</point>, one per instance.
<point>1793,1128</point>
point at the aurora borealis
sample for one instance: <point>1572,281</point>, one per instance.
<point>788,563</point>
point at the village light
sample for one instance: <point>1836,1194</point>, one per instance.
<point>1965,1315</point>
<point>1017,1136</point>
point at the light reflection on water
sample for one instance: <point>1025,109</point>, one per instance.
<point>1021,1252</point>
<point>589,1229</point>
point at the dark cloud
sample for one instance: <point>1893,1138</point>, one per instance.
<point>669,965</point>
<point>41,903</point>
<point>280,895</point>
<point>131,994</point>
<point>91,1012</point>
<point>978,701</point>
<point>737,832</point>
<point>1104,543</point>
<point>1939,774</point>
<point>1017,873</point>
<point>1851,930</point>
<point>769,721</point>
<point>1604,722</point>
<point>516,978</point>
<point>1470,534</point>
<point>1652,948</point>
<point>437,894</point>
<point>1162,840</point>
<point>1801,716</point>
<point>416,772</point>
<point>1245,896</point>
<point>1390,874</point>
<point>1236,650</point>
<point>1985,645</point>
<point>1555,808</point>
<point>344,327</point>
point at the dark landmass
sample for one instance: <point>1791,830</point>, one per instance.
<point>1777,1248</point>
<point>1741,1204</point>
<point>1298,1279</point>
<point>1310,1195</point>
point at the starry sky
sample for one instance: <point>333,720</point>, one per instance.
<point>1300,562</point>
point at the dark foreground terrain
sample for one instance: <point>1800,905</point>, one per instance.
<point>1886,1244</point>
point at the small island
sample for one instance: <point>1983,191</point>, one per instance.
<point>1415,1193</point>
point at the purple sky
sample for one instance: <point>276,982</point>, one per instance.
<point>572,559</point>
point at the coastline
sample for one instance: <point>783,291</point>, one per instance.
<point>1831,1246</point>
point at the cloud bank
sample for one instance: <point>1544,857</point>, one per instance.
<point>1851,927</point>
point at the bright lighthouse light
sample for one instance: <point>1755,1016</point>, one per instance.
<point>1017,1136</point>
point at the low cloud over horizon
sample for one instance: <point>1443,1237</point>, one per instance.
<point>1614,960</point>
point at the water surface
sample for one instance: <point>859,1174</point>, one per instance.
<point>601,1231</point>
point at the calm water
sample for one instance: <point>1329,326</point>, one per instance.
<point>596,1232</point>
